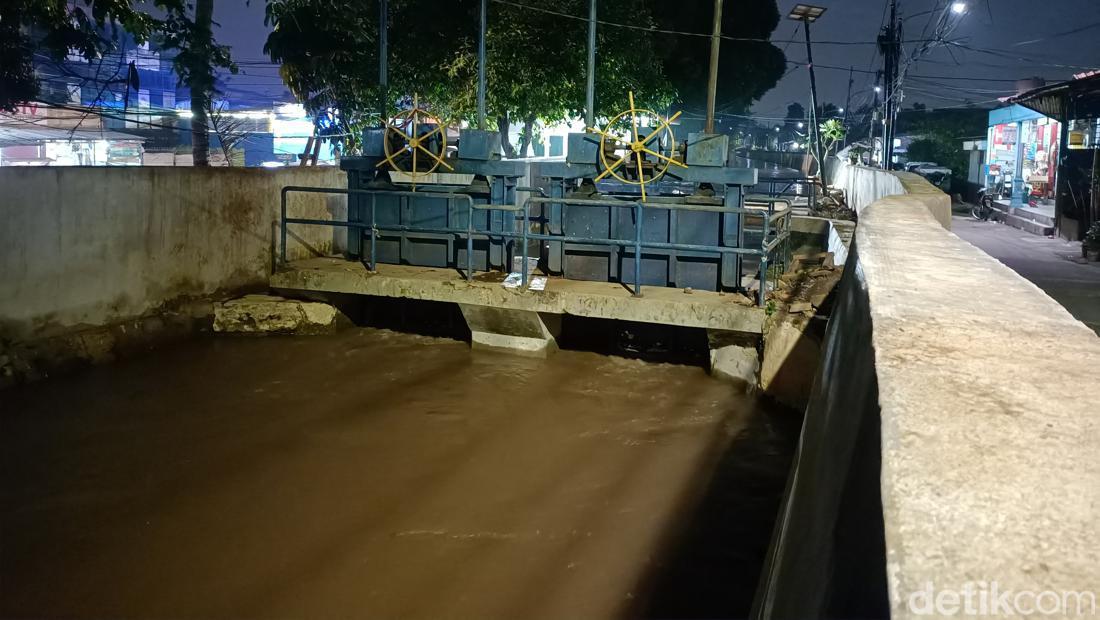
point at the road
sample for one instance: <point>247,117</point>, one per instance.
<point>1054,265</point>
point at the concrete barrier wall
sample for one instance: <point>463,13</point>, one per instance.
<point>88,246</point>
<point>941,452</point>
<point>863,185</point>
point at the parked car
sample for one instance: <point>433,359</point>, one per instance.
<point>913,165</point>
<point>937,175</point>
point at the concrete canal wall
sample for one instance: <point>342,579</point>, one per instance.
<point>91,246</point>
<point>864,186</point>
<point>940,454</point>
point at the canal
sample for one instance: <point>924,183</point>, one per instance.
<point>381,474</point>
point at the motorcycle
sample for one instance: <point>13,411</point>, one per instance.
<point>985,210</point>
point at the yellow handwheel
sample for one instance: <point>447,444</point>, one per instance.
<point>635,145</point>
<point>404,130</point>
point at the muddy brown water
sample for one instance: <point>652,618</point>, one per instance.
<point>374,474</point>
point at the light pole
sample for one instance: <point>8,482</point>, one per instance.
<point>590,82</point>
<point>807,14</point>
<point>712,83</point>
<point>481,33</point>
<point>383,62</point>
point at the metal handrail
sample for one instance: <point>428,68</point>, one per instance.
<point>525,235</point>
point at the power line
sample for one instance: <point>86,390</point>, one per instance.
<point>966,78</point>
<point>145,112</point>
<point>1059,34</point>
<point>656,30</point>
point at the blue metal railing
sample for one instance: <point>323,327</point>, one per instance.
<point>789,187</point>
<point>773,236</point>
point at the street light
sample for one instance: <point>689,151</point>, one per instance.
<point>800,124</point>
<point>808,14</point>
<point>958,8</point>
<point>878,89</point>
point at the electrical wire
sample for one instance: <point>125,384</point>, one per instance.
<point>144,112</point>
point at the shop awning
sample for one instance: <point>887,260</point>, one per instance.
<point>1072,100</point>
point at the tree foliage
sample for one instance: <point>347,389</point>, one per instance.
<point>231,131</point>
<point>537,65</point>
<point>536,60</point>
<point>91,28</point>
<point>58,28</point>
<point>189,31</point>
<point>329,64</point>
<point>941,134</point>
<point>746,69</point>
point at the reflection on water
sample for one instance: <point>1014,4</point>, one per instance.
<point>377,474</point>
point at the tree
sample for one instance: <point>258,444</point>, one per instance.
<point>795,114</point>
<point>832,132</point>
<point>535,71</point>
<point>330,65</point>
<point>537,68</point>
<point>940,135</point>
<point>746,69</point>
<point>58,28</point>
<point>229,130</point>
<point>198,58</point>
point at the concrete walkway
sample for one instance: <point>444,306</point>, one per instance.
<point>602,300</point>
<point>1053,265</point>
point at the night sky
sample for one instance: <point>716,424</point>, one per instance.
<point>1003,26</point>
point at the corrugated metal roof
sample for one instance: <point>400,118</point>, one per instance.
<point>14,135</point>
<point>1078,98</point>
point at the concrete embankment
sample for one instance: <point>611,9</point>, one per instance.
<point>939,453</point>
<point>88,253</point>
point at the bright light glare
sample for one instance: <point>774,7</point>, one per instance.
<point>800,124</point>
<point>958,8</point>
<point>878,89</point>
<point>841,110</point>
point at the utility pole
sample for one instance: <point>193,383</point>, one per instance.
<point>888,42</point>
<point>847,104</point>
<point>383,61</point>
<point>715,47</point>
<point>895,95</point>
<point>590,86</point>
<point>875,113</point>
<point>481,64</point>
